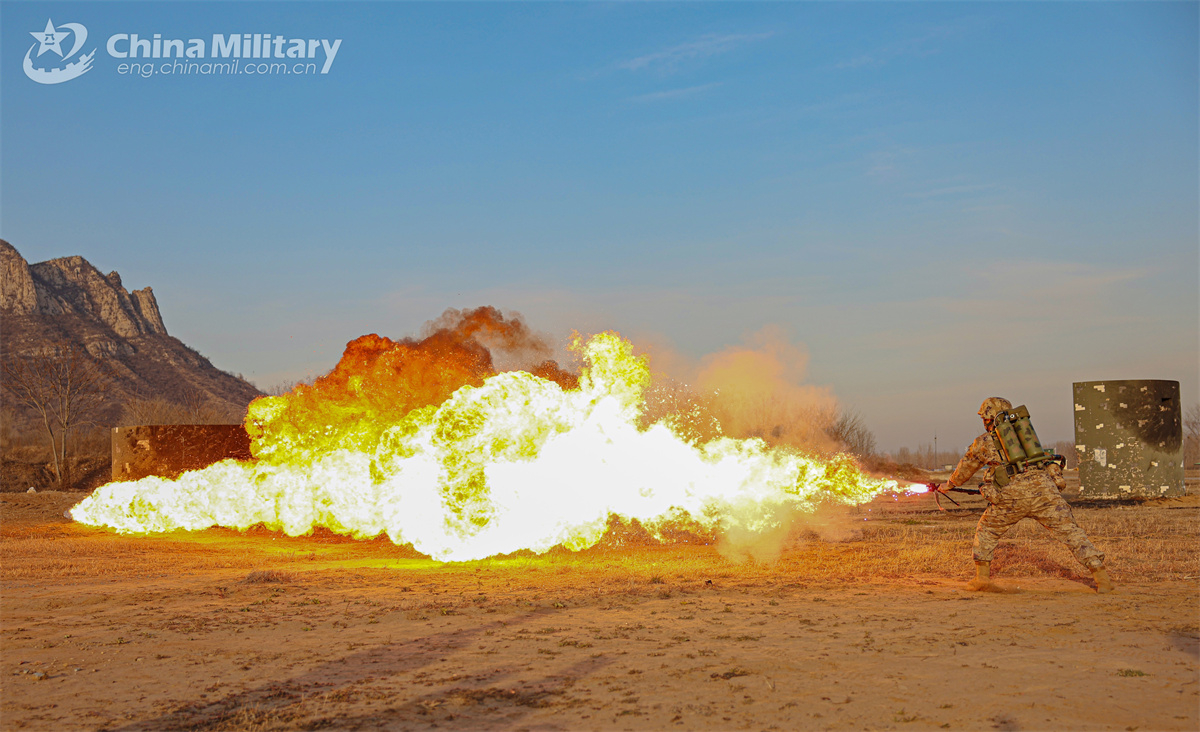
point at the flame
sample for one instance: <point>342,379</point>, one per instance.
<point>421,440</point>
<point>915,488</point>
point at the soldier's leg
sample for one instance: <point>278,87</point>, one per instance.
<point>1055,514</point>
<point>993,524</point>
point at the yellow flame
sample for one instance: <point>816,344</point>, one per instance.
<point>516,463</point>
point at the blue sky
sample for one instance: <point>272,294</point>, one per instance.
<point>941,201</point>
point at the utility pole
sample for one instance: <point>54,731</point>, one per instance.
<point>936,459</point>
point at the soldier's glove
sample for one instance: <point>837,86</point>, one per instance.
<point>946,487</point>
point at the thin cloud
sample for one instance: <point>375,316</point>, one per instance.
<point>951,191</point>
<point>910,47</point>
<point>1026,285</point>
<point>704,47</point>
<point>1055,281</point>
<point>886,165</point>
<point>836,104</point>
<point>1017,299</point>
<point>673,94</point>
<point>988,208</point>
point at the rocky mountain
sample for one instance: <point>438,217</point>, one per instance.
<point>68,300</point>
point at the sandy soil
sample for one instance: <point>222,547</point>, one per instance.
<point>218,630</point>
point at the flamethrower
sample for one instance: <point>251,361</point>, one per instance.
<point>937,495</point>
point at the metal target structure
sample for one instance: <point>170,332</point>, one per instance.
<point>1129,437</point>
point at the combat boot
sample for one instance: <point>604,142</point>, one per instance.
<point>1103,583</point>
<point>983,576</point>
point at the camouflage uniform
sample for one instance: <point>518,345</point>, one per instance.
<point>1033,494</point>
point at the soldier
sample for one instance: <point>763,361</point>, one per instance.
<point>1032,494</point>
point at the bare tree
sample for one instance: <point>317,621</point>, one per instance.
<point>282,387</point>
<point>66,387</point>
<point>197,404</point>
<point>852,433</point>
<point>141,410</point>
<point>1191,436</point>
<point>1067,450</point>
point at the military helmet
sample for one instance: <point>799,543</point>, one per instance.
<point>993,406</point>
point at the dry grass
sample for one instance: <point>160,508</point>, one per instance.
<point>263,576</point>
<point>905,541</point>
<point>252,719</point>
<point>255,631</point>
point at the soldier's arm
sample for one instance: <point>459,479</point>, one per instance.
<point>976,457</point>
<point>1056,474</point>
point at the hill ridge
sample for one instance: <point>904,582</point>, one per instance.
<point>68,301</point>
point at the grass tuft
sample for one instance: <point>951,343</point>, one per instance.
<point>265,576</point>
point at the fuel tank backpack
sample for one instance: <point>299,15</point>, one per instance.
<point>1018,445</point>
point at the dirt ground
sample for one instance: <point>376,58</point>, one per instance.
<point>861,623</point>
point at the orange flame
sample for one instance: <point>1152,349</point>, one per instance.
<point>379,381</point>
